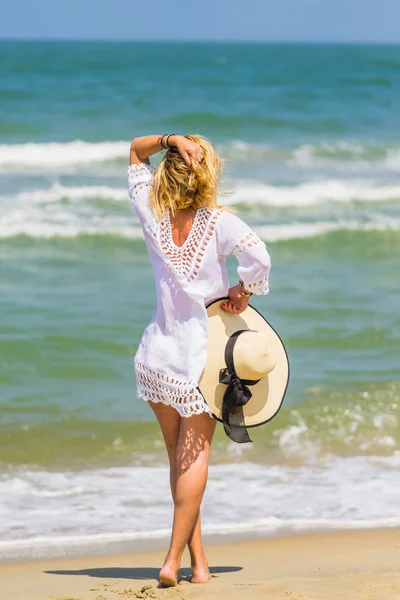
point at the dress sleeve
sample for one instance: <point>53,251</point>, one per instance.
<point>237,238</point>
<point>140,179</point>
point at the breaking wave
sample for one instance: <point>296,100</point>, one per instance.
<point>344,154</point>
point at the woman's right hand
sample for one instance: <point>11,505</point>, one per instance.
<point>236,304</point>
<point>190,151</point>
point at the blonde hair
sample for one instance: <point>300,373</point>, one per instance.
<point>178,186</point>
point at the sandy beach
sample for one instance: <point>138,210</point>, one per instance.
<point>353,565</point>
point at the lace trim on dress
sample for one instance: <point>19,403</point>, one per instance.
<point>259,287</point>
<point>141,169</point>
<point>182,395</point>
<point>140,176</point>
<point>186,259</point>
<point>248,241</point>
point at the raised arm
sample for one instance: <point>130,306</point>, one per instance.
<point>144,147</point>
<point>141,172</point>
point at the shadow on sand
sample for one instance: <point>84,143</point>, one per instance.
<point>135,572</point>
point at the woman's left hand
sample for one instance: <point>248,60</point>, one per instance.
<point>236,304</point>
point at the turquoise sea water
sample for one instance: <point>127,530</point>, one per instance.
<point>311,139</point>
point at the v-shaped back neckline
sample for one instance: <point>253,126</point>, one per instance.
<point>186,259</point>
<point>190,234</point>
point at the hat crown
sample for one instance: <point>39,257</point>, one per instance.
<point>252,357</point>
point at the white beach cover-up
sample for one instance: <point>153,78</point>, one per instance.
<point>172,352</point>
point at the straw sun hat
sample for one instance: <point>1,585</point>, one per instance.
<point>247,371</point>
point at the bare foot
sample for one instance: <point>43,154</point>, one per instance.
<point>169,575</point>
<point>200,573</point>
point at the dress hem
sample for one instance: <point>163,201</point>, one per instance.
<point>184,396</point>
<point>167,402</point>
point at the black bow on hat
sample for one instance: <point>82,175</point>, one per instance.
<point>236,395</point>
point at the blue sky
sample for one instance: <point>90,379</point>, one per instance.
<point>242,20</point>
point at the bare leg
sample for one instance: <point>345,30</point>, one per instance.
<point>170,420</point>
<point>195,436</point>
<point>198,558</point>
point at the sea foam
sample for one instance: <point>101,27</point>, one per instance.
<point>314,193</point>
<point>57,155</point>
<point>62,226</point>
<point>245,192</point>
<point>346,155</point>
<point>134,502</point>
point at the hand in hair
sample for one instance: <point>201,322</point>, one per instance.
<point>190,151</point>
<point>145,146</point>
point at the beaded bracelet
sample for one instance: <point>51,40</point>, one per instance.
<point>243,291</point>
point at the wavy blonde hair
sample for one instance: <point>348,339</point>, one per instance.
<point>178,186</point>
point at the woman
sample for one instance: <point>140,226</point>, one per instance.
<point>188,237</point>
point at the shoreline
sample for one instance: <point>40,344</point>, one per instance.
<point>345,565</point>
<point>115,545</point>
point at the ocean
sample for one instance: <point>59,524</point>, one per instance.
<point>310,138</point>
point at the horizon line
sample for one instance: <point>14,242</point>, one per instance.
<point>204,41</point>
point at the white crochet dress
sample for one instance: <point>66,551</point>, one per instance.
<point>172,352</point>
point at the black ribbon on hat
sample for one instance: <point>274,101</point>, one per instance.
<point>236,395</point>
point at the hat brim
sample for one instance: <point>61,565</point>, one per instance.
<point>268,394</point>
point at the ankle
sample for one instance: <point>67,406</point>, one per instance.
<point>173,559</point>
<point>198,558</point>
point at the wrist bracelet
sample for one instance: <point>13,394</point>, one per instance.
<point>168,136</point>
<point>162,141</point>
<point>243,291</point>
